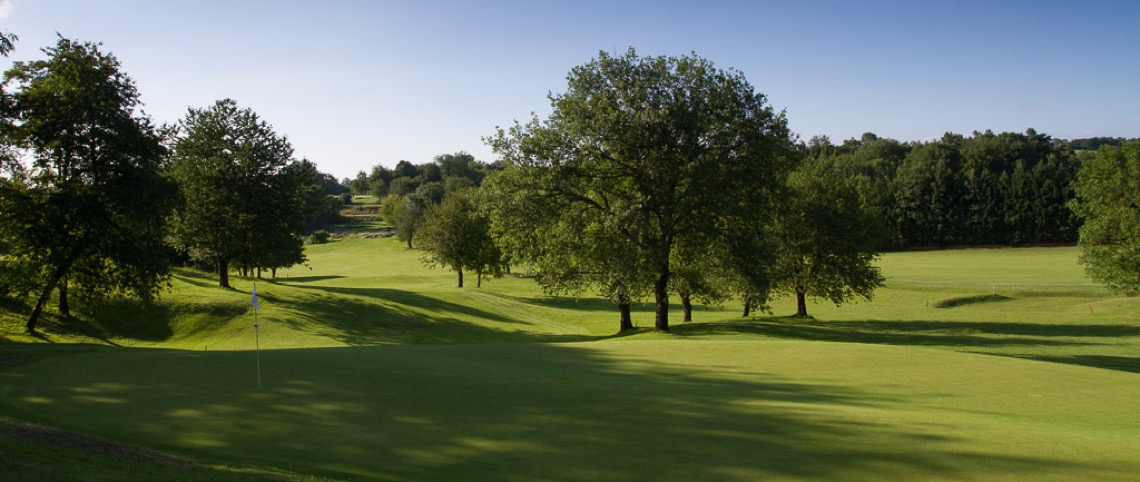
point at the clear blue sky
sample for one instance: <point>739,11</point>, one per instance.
<point>358,83</point>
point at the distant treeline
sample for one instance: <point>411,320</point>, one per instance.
<point>1094,143</point>
<point>446,173</point>
<point>985,189</point>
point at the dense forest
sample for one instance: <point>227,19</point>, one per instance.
<point>986,189</point>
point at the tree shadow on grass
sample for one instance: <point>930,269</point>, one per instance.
<point>381,316</point>
<point>920,333</point>
<point>565,302</point>
<point>529,412</point>
<point>306,279</point>
<point>1118,363</point>
<point>196,278</point>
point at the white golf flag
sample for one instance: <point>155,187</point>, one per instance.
<point>253,297</point>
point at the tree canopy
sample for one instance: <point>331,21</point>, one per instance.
<point>1107,192</point>
<point>984,189</point>
<point>456,234</point>
<point>244,201</point>
<point>826,239</point>
<point>90,209</point>
<point>656,149</point>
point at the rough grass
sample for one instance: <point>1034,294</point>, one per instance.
<point>24,447</point>
<point>378,369</point>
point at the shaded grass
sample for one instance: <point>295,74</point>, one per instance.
<point>648,410</point>
<point>35,452</point>
<point>786,399</point>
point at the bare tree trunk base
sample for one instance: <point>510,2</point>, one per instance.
<point>801,305</point>
<point>626,322</point>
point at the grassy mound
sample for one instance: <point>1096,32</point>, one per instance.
<point>969,300</point>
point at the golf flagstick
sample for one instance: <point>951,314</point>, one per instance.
<point>256,338</point>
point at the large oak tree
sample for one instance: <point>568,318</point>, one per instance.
<point>655,149</point>
<point>243,201</point>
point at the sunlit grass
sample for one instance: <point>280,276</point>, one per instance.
<point>707,410</point>
<point>377,368</point>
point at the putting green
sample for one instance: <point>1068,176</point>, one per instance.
<point>649,408</point>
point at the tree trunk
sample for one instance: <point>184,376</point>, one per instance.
<point>259,272</point>
<point>273,273</point>
<point>747,308</point>
<point>687,304</point>
<point>661,300</point>
<point>223,273</point>
<point>409,242</point>
<point>626,322</point>
<point>64,305</point>
<point>460,270</point>
<point>801,304</point>
<point>45,295</point>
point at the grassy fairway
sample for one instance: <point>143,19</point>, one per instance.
<point>378,369</point>
<point>610,411</point>
<point>1045,309</point>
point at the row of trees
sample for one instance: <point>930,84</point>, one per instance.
<point>451,172</point>
<point>97,199</point>
<point>986,189</point>
<point>407,210</point>
<point>660,176</point>
<point>652,176</point>
<point>665,176</point>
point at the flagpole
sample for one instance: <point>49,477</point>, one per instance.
<point>256,336</point>
<point>257,348</point>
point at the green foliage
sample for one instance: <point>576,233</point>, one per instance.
<point>1094,143</point>
<point>406,217</point>
<point>826,239</point>
<point>90,211</point>
<point>653,150</point>
<point>310,190</point>
<point>1108,190</point>
<point>388,208</point>
<point>987,189</point>
<point>456,234</point>
<point>7,43</point>
<point>402,186</point>
<point>455,183</point>
<point>245,200</point>
<point>359,185</point>
<point>319,237</point>
<point>568,248</point>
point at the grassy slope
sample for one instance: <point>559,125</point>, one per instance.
<point>735,403</point>
<point>1047,309</point>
